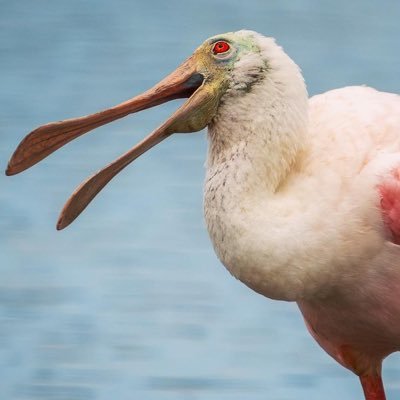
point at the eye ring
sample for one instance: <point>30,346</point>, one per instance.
<point>221,47</point>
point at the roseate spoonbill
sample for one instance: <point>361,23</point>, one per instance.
<point>302,196</point>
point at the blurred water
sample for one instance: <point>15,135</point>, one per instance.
<point>130,302</point>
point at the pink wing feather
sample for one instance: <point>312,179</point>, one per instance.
<point>390,204</point>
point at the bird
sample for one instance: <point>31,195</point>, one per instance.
<point>301,195</point>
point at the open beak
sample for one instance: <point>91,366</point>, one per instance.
<point>193,115</point>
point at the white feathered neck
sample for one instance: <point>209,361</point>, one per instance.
<point>263,123</point>
<point>254,143</point>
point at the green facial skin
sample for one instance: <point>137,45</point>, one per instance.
<point>216,70</point>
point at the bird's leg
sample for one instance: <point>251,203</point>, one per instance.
<point>373,386</point>
<point>369,371</point>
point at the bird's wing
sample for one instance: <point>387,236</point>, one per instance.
<point>389,189</point>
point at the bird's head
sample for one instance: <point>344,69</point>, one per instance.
<point>226,65</point>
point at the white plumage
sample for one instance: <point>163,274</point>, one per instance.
<point>299,218</point>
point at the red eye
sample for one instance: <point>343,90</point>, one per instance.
<point>221,47</point>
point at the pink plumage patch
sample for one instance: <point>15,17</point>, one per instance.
<point>390,204</point>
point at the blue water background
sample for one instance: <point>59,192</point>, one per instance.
<point>130,302</point>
